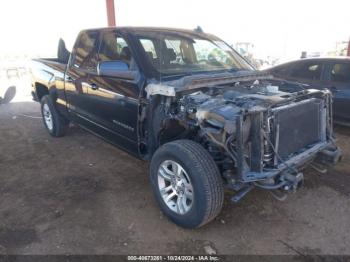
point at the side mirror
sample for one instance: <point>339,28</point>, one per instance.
<point>117,68</point>
<point>62,52</point>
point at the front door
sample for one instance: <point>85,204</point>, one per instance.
<point>114,101</point>
<point>309,72</point>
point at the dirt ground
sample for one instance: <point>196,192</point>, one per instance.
<point>80,195</point>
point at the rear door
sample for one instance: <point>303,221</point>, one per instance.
<point>339,84</point>
<point>83,63</point>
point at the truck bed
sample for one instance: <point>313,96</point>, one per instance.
<point>41,59</point>
<point>48,65</point>
<point>44,73</point>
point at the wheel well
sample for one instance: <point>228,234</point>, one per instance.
<point>41,90</point>
<point>173,130</point>
<point>160,129</point>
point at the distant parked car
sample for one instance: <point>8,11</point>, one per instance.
<point>331,73</point>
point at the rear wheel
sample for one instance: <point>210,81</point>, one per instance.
<point>53,121</point>
<point>186,183</point>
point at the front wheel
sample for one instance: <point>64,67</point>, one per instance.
<point>186,183</point>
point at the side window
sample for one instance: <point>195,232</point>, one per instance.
<point>310,71</point>
<point>174,47</point>
<point>114,48</point>
<point>341,73</point>
<point>149,48</point>
<point>85,51</point>
<point>282,71</point>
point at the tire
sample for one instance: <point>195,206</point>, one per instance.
<point>58,125</point>
<point>9,95</point>
<point>200,175</point>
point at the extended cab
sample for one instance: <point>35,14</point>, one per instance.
<point>188,103</point>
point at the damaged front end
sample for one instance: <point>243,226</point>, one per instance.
<point>259,132</point>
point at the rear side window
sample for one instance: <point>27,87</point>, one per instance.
<point>341,73</point>
<point>311,71</point>
<point>85,51</point>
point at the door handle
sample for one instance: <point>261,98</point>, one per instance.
<point>93,86</point>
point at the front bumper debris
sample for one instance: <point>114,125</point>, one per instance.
<point>323,153</point>
<point>287,176</point>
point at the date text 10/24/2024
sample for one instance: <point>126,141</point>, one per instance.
<point>174,258</point>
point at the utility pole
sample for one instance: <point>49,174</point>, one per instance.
<point>110,13</point>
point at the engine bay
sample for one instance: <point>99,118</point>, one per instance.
<point>246,126</point>
<point>260,131</point>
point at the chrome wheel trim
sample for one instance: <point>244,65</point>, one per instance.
<point>47,117</point>
<point>175,187</point>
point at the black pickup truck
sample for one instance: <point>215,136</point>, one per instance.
<point>188,103</point>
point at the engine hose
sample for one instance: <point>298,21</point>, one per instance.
<point>222,145</point>
<point>278,156</point>
<point>276,186</point>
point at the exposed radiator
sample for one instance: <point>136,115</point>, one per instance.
<point>299,126</point>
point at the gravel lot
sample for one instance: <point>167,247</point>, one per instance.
<point>80,195</point>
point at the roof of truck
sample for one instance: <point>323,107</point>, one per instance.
<point>131,29</point>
